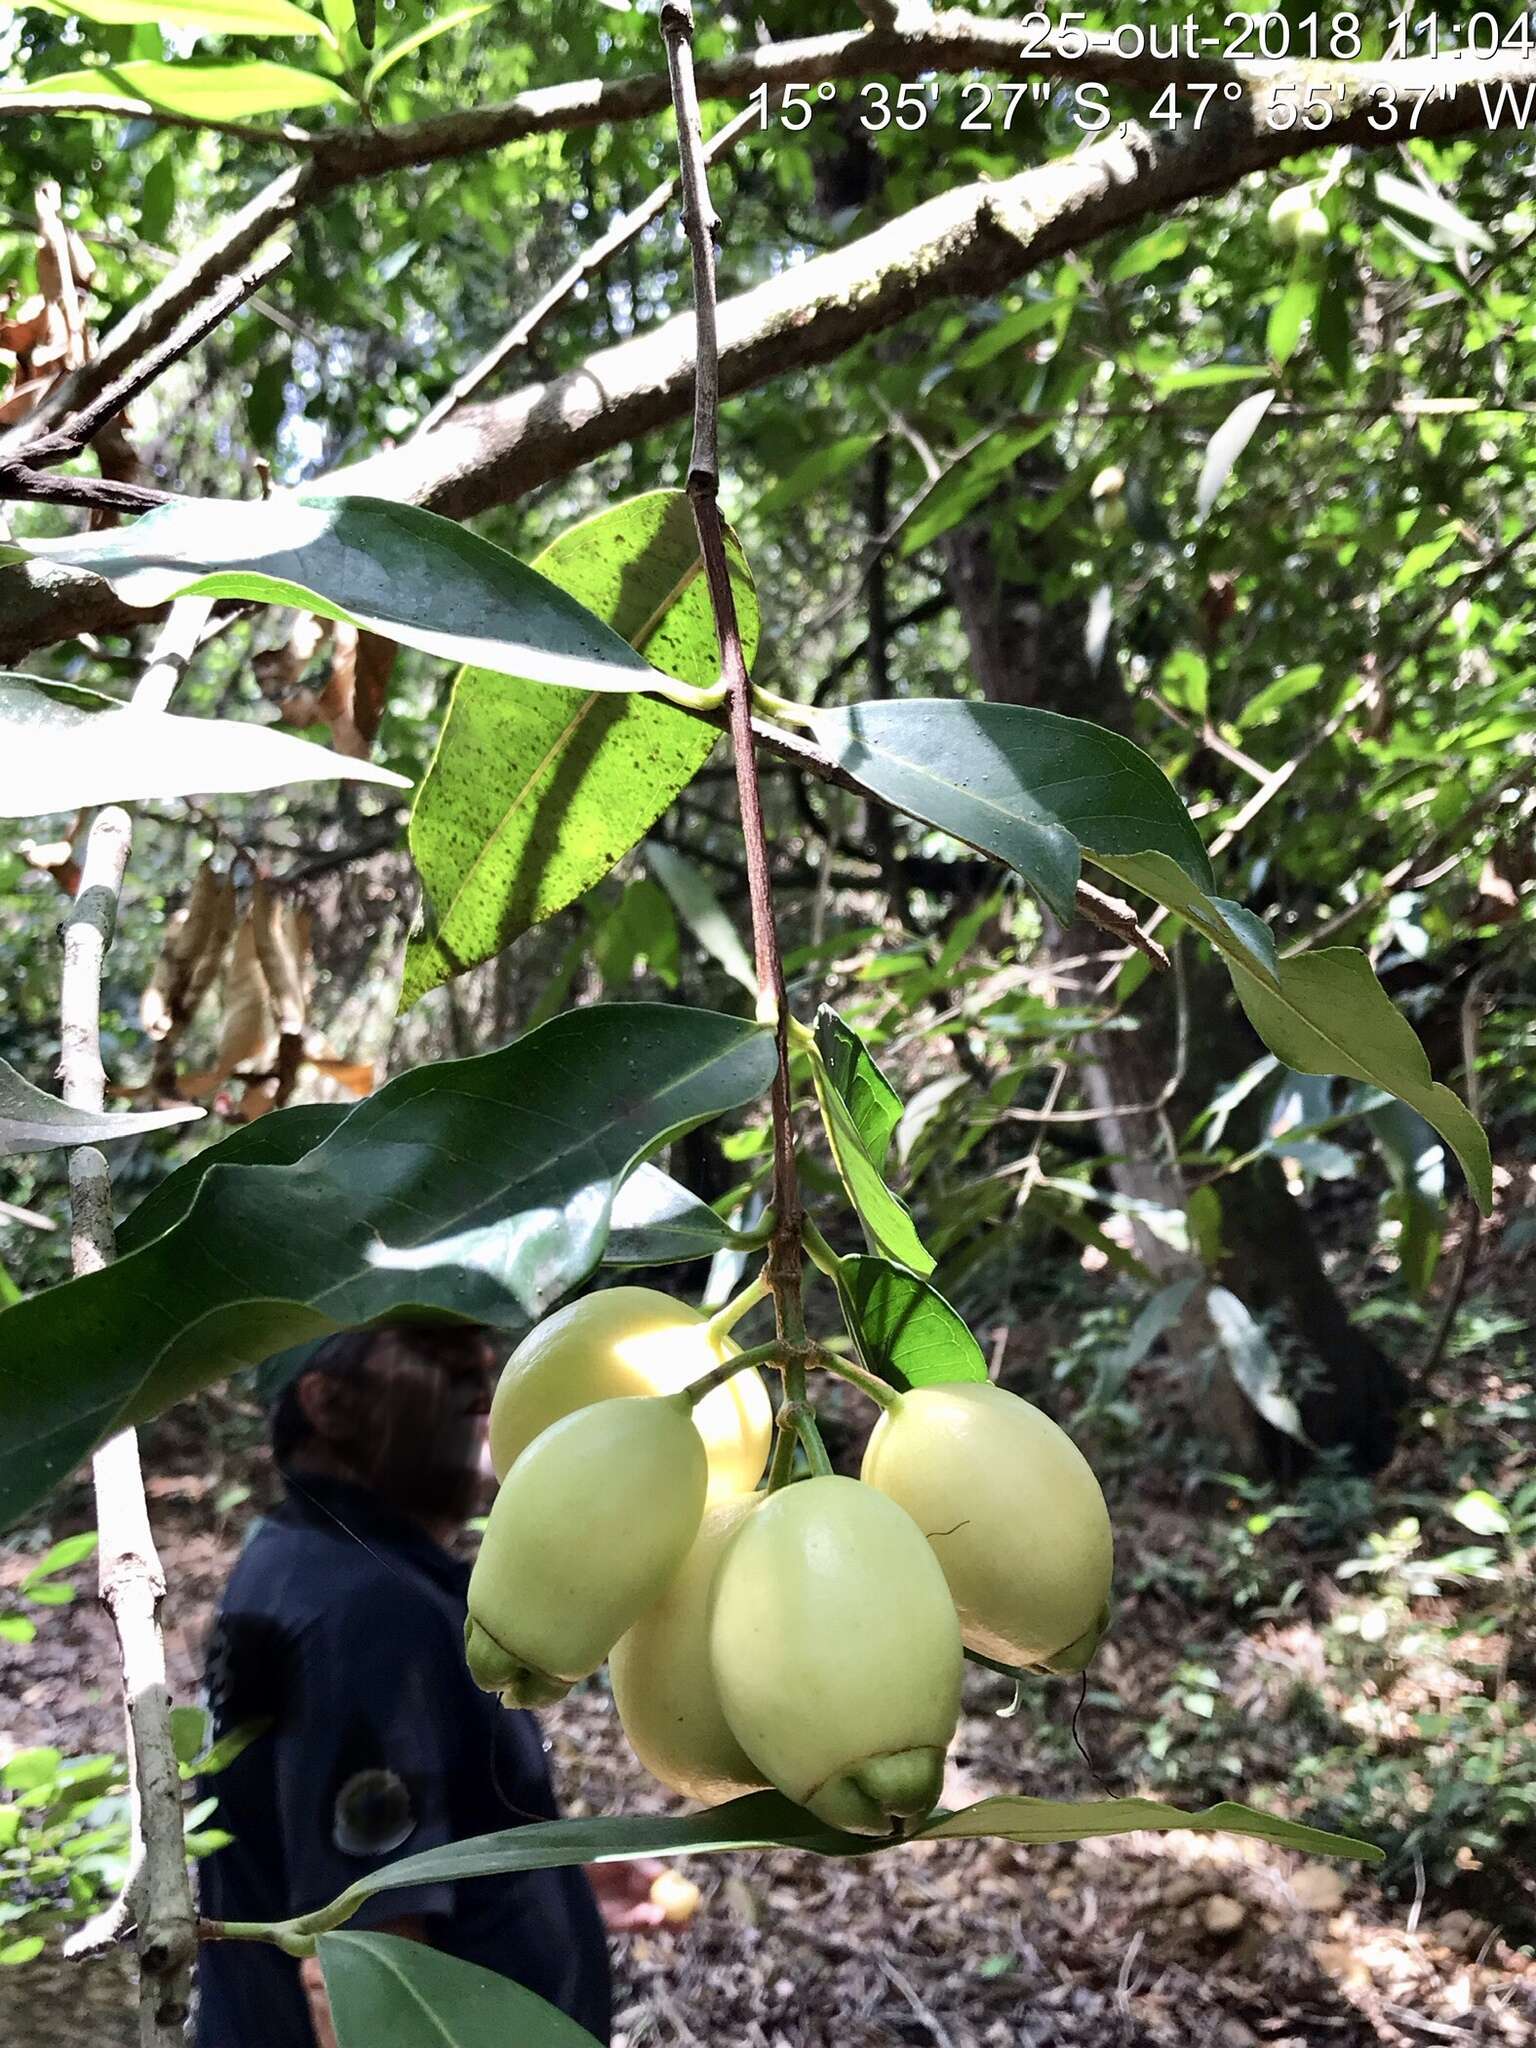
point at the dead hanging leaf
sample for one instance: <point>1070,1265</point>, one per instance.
<point>350,701</point>
<point>55,857</point>
<point>192,953</point>
<point>249,1034</point>
<point>265,1004</point>
<point>356,1076</point>
<point>1499,899</point>
<point>282,945</point>
<point>50,337</point>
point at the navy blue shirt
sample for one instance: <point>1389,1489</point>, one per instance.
<point>343,1628</point>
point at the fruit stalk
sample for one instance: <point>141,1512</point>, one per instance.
<point>702,225</point>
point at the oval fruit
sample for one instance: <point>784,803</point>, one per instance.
<point>836,1653</point>
<point>1012,1510</point>
<point>589,1525</point>
<point>631,1341</point>
<point>662,1683</point>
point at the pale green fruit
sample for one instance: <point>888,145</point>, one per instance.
<point>1012,1510</point>
<point>662,1683</point>
<point>631,1341</point>
<point>590,1524</point>
<point>1285,213</point>
<point>836,1654</point>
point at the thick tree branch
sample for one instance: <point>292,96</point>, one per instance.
<point>967,243</point>
<point>590,261</point>
<point>130,1576</point>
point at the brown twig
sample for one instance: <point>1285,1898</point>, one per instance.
<point>131,1580</point>
<point>702,224</point>
<point>199,321</point>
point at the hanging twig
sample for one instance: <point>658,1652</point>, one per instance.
<point>158,1894</point>
<point>702,226</point>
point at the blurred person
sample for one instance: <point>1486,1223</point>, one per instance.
<point>341,1636</point>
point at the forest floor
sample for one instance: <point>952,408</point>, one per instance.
<point>1180,1941</point>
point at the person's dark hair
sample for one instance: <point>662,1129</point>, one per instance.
<point>346,1354</point>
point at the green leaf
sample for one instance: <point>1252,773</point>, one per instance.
<point>817,469</point>
<point>766,1820</point>
<point>1008,332</point>
<point>702,911</point>
<point>32,1121</point>
<point>62,1556</point>
<point>393,569</point>
<point>382,1988</point>
<point>1254,1365</point>
<point>1161,246</point>
<point>474,1189</point>
<point>904,1328</point>
<point>209,91</point>
<point>1288,316</point>
<point>1328,1014</point>
<point>274,1140</point>
<point>202,17</point>
<point>1480,1512</point>
<point>190,1731</point>
<point>1416,1159</point>
<point>642,927</point>
<point>1241,938</point>
<point>888,1224</point>
<point>29,1769</point>
<point>1225,446</point>
<point>21,1951</point>
<point>1262,706</point>
<point>532,796</point>
<point>655,1220</point>
<point>1030,787</point>
<point>1012,1818</point>
<point>1434,209</point>
<point>64,748</point>
<point>407,46</point>
<point>872,1102</point>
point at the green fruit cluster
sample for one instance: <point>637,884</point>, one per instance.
<point>810,1638</point>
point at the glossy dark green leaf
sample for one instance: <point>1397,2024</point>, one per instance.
<point>534,794</point>
<point>655,1220</point>
<point>903,1328</point>
<point>394,569</point>
<point>766,1820</point>
<point>1030,787</point>
<point>277,1139</point>
<point>33,1121</point>
<point>872,1102</point>
<point>63,748</point>
<point>384,1989</point>
<point>1328,1014</point>
<point>887,1222</point>
<point>473,1188</point>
